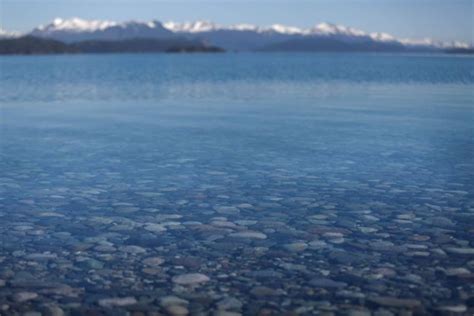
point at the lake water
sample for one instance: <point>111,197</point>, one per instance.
<point>219,184</point>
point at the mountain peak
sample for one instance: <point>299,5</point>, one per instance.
<point>191,27</point>
<point>8,34</point>
<point>326,28</point>
<point>77,29</point>
<point>76,25</point>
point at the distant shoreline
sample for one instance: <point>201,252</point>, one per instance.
<point>30,45</point>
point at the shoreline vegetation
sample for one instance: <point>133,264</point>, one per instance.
<point>31,45</point>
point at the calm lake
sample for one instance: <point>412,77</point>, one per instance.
<point>219,184</point>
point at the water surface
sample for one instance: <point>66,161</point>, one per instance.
<point>247,183</point>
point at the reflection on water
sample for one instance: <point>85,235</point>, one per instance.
<point>238,183</point>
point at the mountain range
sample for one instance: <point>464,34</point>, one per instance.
<point>241,37</point>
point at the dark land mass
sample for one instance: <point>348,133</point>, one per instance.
<point>29,45</point>
<point>316,44</point>
<point>459,51</point>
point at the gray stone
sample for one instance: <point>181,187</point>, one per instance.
<point>249,234</point>
<point>395,302</point>
<point>327,283</point>
<point>21,297</point>
<point>117,301</point>
<point>153,261</point>
<point>230,303</point>
<point>190,279</point>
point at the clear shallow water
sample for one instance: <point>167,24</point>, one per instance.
<point>325,183</point>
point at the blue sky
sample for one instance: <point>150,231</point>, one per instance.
<point>438,19</point>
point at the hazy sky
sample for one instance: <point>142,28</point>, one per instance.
<point>438,19</point>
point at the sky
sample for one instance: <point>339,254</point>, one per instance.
<point>445,20</point>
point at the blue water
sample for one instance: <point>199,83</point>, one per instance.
<point>302,183</point>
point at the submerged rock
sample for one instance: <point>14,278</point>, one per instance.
<point>133,249</point>
<point>395,302</point>
<point>117,301</point>
<point>24,296</point>
<point>327,283</point>
<point>249,234</point>
<point>190,279</point>
<point>153,261</point>
<point>177,310</point>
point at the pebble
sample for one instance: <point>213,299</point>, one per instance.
<point>177,310</point>
<point>54,311</point>
<point>327,283</point>
<point>172,300</point>
<point>153,261</point>
<point>457,271</point>
<point>230,303</point>
<point>460,251</point>
<point>24,296</point>
<point>226,313</point>
<point>395,302</point>
<point>117,301</point>
<point>156,228</point>
<point>453,308</point>
<point>263,291</point>
<point>190,279</point>
<point>296,246</point>
<point>229,210</point>
<point>249,234</point>
<point>133,249</point>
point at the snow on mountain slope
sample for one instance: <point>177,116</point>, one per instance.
<point>76,29</point>
<point>8,34</point>
<point>234,37</point>
<point>191,27</point>
<point>75,25</point>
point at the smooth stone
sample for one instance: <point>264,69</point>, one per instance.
<point>460,251</point>
<point>226,209</point>
<point>224,224</point>
<point>31,313</point>
<point>54,311</point>
<point>440,221</point>
<point>172,300</point>
<point>296,246</point>
<point>117,301</point>
<point>133,249</point>
<point>359,313</point>
<point>177,310</point>
<point>327,283</point>
<point>153,261</point>
<point>24,296</point>
<point>155,228</point>
<point>262,291</point>
<point>249,234</point>
<point>454,308</point>
<point>226,313</point>
<point>94,264</point>
<point>244,222</point>
<point>457,271</point>
<point>41,256</point>
<point>230,303</point>
<point>417,254</point>
<point>395,302</point>
<point>317,244</point>
<point>190,278</point>
<point>105,248</point>
<point>266,274</point>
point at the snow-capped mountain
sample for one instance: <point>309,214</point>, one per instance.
<point>75,30</point>
<point>235,37</point>
<point>6,34</point>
